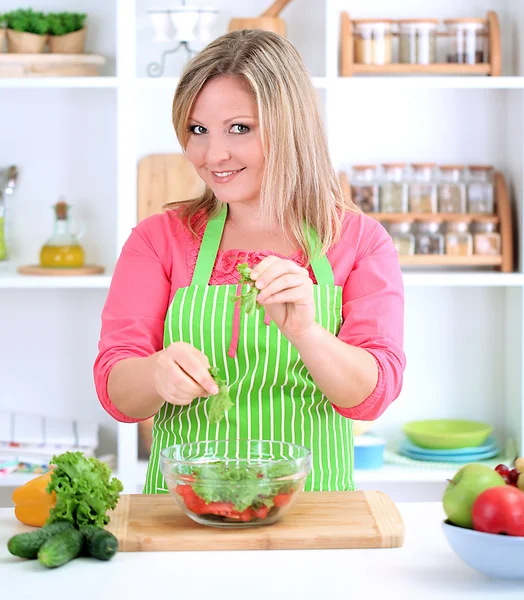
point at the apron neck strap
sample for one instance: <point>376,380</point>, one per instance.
<point>211,243</point>
<point>209,248</point>
<point>320,266</point>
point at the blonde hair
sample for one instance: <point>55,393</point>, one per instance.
<point>299,183</point>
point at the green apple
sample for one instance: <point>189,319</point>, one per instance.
<point>461,492</point>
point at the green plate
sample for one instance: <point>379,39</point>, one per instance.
<point>445,434</point>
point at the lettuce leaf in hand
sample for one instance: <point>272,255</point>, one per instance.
<point>84,489</point>
<point>221,402</point>
<point>248,298</point>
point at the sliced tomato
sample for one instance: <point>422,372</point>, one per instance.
<point>282,499</point>
<point>261,512</point>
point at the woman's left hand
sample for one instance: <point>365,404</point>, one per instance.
<point>286,293</point>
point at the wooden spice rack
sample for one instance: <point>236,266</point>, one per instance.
<point>502,217</point>
<point>493,68</point>
<point>50,64</point>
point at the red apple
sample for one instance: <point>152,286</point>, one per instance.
<point>499,510</point>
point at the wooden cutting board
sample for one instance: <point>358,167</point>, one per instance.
<point>318,520</point>
<point>164,178</point>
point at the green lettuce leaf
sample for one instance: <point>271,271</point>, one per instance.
<point>218,404</point>
<point>84,490</point>
<point>247,298</point>
<point>213,484</point>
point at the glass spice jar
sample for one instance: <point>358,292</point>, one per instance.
<point>451,189</point>
<point>458,239</point>
<point>429,239</point>
<point>468,41</point>
<point>373,43</point>
<point>364,188</point>
<point>486,238</point>
<point>402,236</point>
<point>393,189</point>
<point>417,41</point>
<point>422,189</point>
<point>481,189</point>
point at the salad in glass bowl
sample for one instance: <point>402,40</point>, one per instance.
<point>235,483</point>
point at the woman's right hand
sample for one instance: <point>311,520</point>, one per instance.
<point>182,374</point>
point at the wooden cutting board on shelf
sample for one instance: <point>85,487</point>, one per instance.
<point>318,520</point>
<point>164,178</point>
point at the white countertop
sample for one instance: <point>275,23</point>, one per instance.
<point>425,567</point>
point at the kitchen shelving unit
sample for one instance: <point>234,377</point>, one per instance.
<point>348,67</point>
<point>501,217</point>
<point>83,138</point>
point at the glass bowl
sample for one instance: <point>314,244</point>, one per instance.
<point>235,483</point>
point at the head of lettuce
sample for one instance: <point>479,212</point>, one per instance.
<point>84,489</point>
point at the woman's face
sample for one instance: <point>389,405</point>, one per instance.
<point>224,142</point>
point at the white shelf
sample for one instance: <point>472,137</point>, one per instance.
<point>400,474</point>
<point>401,82</point>
<point>58,82</point>
<point>170,83</point>
<point>462,279</point>
<point>16,479</point>
<point>387,473</point>
<point>13,280</point>
<point>10,280</point>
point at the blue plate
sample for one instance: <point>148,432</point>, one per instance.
<point>463,458</point>
<point>489,445</point>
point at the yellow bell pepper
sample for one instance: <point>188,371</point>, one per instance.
<point>32,502</point>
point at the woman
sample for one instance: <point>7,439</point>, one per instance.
<point>326,346</point>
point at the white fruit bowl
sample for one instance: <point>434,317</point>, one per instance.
<point>494,555</point>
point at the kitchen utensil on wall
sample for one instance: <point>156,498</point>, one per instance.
<point>8,181</point>
<point>184,24</point>
<point>268,20</point>
<point>164,178</point>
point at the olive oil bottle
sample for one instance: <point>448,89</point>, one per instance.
<point>63,249</point>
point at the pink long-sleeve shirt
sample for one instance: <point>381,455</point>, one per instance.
<point>159,258</point>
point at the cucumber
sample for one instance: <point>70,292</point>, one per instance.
<point>27,545</point>
<point>61,548</point>
<point>98,542</point>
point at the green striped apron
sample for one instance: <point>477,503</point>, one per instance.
<point>273,393</point>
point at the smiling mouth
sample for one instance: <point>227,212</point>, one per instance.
<point>225,176</point>
<point>226,173</point>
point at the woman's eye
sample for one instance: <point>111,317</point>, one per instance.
<point>239,128</point>
<point>197,129</point>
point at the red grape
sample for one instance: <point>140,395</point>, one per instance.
<point>503,470</point>
<point>513,476</point>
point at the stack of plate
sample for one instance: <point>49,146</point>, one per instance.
<point>448,440</point>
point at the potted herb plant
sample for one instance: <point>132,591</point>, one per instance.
<point>26,31</point>
<point>67,32</point>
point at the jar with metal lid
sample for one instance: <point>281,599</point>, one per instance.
<point>402,236</point>
<point>467,41</point>
<point>458,239</point>
<point>417,41</point>
<point>372,41</point>
<point>451,189</point>
<point>486,238</point>
<point>429,239</point>
<point>481,189</point>
<point>393,189</point>
<point>364,188</point>
<point>422,189</point>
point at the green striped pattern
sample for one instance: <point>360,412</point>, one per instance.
<point>273,393</point>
